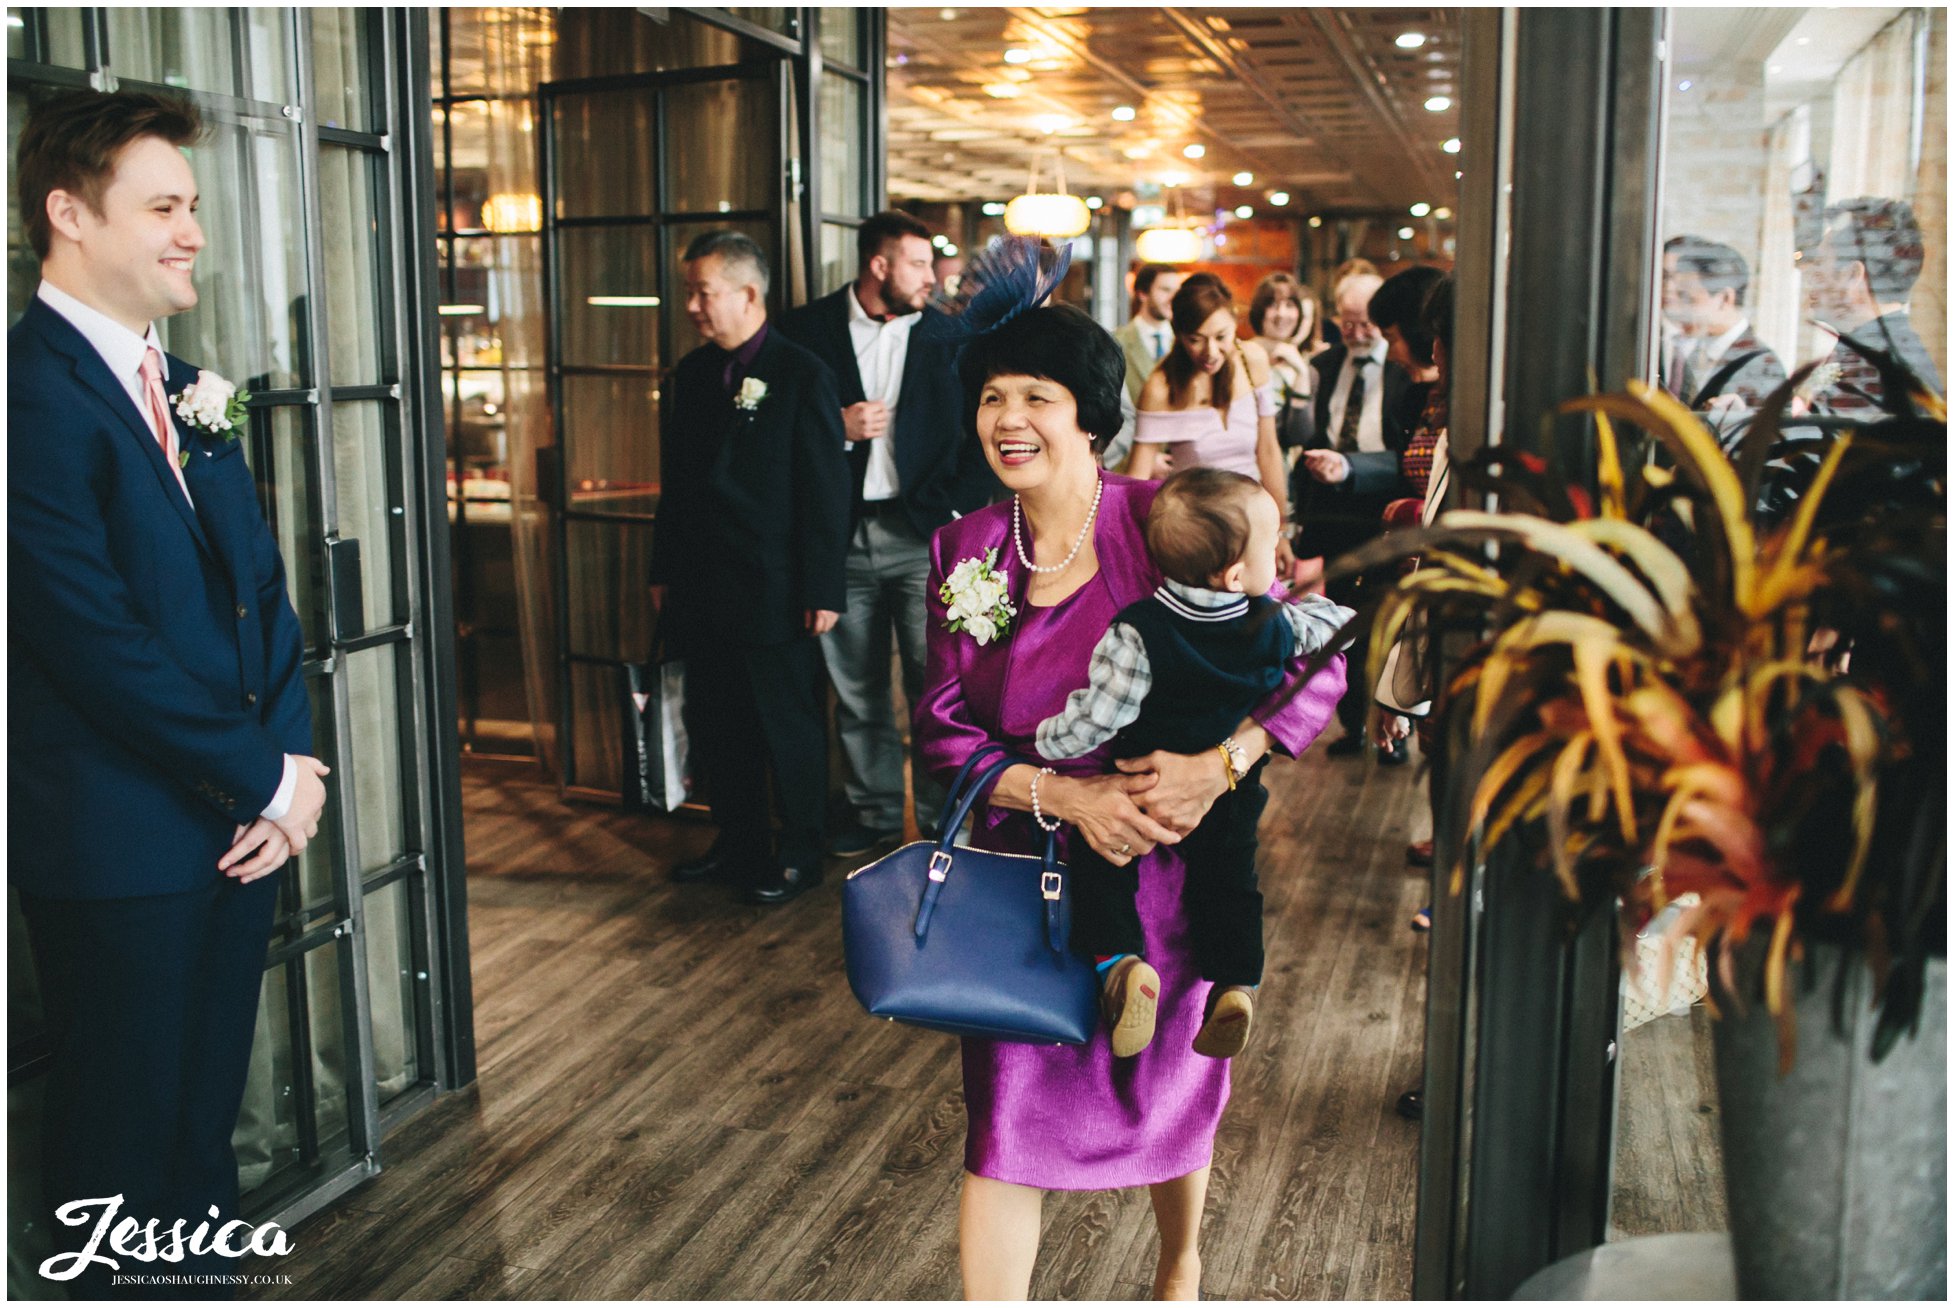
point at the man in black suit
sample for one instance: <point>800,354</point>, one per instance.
<point>746,567</point>
<point>1857,281</point>
<point>913,470</point>
<point>1719,363</point>
<point>1366,409</point>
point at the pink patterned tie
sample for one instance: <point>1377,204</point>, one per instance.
<point>159,405</point>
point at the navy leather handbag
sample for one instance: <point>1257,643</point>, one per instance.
<point>968,941</point>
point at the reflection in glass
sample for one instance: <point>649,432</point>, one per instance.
<point>294,523</point>
<point>837,257</point>
<point>348,179</point>
<point>240,52</point>
<point>610,296</point>
<point>49,36</point>
<point>594,724</point>
<point>611,442</point>
<point>250,323</point>
<point>606,154</point>
<point>393,988</point>
<point>499,50</point>
<point>705,176</point>
<point>23,265</point>
<point>364,483</point>
<point>379,803</point>
<point>342,68</point>
<point>841,35</point>
<point>841,150</point>
<point>610,614</point>
<point>295,1096</point>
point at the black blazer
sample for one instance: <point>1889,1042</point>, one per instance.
<point>155,671</point>
<point>940,467</point>
<point>1340,517</point>
<point>752,525</point>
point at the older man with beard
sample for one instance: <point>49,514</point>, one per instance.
<point>913,471</point>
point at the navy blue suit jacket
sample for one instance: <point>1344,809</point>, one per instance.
<point>939,463</point>
<point>154,656</point>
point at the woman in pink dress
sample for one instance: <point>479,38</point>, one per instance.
<point>1069,546</point>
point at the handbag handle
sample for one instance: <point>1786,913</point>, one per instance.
<point>953,802</point>
<point>1051,881</point>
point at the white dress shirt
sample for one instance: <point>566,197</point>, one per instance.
<point>1370,419</point>
<point>122,350</point>
<point>881,350</point>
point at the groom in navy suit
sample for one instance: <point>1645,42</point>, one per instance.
<point>159,738</point>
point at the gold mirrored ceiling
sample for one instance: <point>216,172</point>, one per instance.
<point>1346,110</point>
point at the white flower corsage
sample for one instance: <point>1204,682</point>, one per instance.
<point>211,404</point>
<point>979,600</point>
<point>752,391</point>
<point>1823,378</point>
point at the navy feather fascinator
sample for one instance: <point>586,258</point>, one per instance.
<point>1007,277</point>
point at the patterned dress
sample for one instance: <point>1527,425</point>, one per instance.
<point>1065,1117</point>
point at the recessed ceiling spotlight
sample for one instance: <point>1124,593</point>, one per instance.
<point>1124,114</point>
<point>1410,40</point>
<point>1684,85</point>
<point>1777,68</point>
<point>1195,151</point>
<point>1457,175</point>
<point>1803,40</point>
<point>1451,146</point>
<point>949,251</point>
<point>1420,209</point>
<point>1244,211</point>
<point>1405,233</point>
<point>1003,90</point>
<point>947,15</point>
<point>993,209</point>
<point>1136,152</point>
<point>1315,222</point>
<point>1278,198</point>
<point>1438,104</point>
<point>1017,56</point>
<point>1095,202</point>
<point>1244,179</point>
<point>939,240</point>
<point>1442,213</point>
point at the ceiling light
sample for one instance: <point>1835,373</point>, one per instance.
<point>1003,90</point>
<point>513,212</point>
<point>1173,179</point>
<point>1244,179</point>
<point>1315,222</point>
<point>1168,245</point>
<point>949,251</point>
<point>1136,152</point>
<point>993,209</point>
<point>1451,146</point>
<point>1244,211</point>
<point>1457,175</point>
<point>458,310</point>
<point>947,15</point>
<point>1195,151</point>
<point>622,301</point>
<point>1684,85</point>
<point>1051,123</point>
<point>1053,214</point>
<point>1420,209</point>
<point>1804,40</point>
<point>1405,233</point>
<point>1094,202</point>
<point>1438,104</point>
<point>1442,213</point>
<point>1410,40</point>
<point>1278,198</point>
<point>1124,114</point>
<point>939,240</point>
<point>1016,56</point>
<point>1777,68</point>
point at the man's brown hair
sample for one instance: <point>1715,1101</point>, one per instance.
<point>1197,528</point>
<point>70,143</point>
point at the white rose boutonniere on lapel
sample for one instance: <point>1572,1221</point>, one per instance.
<point>211,405</point>
<point>752,392</point>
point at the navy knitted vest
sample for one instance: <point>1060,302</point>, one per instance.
<point>1207,675</point>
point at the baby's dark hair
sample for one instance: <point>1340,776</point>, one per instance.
<point>1198,526</point>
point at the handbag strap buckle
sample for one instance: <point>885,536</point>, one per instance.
<point>1050,884</point>
<point>939,866</point>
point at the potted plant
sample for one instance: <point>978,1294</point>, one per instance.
<point>1723,676</point>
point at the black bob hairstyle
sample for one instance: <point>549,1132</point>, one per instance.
<point>1060,344</point>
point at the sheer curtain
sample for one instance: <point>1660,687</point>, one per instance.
<point>1872,110</point>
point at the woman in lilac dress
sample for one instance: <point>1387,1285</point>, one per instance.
<point>1070,546</point>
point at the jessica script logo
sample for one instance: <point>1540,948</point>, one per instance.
<point>143,1242</point>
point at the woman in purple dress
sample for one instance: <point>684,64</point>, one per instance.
<point>1070,547</point>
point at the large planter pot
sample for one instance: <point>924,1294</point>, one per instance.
<point>1836,1172</point>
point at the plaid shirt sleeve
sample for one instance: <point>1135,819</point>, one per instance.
<point>1314,620</point>
<point>1118,681</point>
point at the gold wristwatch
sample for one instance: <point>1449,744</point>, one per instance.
<point>1237,760</point>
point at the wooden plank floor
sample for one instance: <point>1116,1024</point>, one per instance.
<point>679,1098</point>
<point>1668,1146</point>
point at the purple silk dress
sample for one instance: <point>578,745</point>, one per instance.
<point>1064,1117</point>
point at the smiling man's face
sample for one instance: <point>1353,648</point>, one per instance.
<point>139,248</point>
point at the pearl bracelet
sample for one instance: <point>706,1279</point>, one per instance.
<point>1038,813</point>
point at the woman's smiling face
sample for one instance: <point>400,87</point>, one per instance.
<point>1030,429</point>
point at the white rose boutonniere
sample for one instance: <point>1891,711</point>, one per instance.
<point>979,601</point>
<point>752,391</point>
<point>212,405</point>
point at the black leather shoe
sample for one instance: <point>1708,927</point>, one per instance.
<point>713,865</point>
<point>1411,1104</point>
<point>788,883</point>
<point>1345,745</point>
<point>1395,757</point>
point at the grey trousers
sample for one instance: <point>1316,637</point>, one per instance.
<point>888,577</point>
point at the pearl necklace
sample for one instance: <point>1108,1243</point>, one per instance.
<point>1017,531</point>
